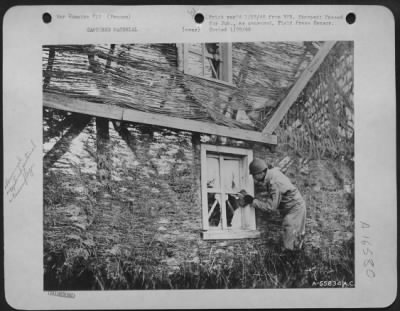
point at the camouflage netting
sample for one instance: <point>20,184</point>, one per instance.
<point>320,123</point>
<point>149,77</point>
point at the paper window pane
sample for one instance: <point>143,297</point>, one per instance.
<point>233,213</point>
<point>213,181</point>
<point>196,48</point>
<point>231,176</point>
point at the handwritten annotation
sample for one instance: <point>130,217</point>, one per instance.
<point>21,174</point>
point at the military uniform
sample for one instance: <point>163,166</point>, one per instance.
<point>283,196</point>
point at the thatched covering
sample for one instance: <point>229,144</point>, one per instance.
<point>150,78</point>
<point>320,123</point>
<point>147,77</point>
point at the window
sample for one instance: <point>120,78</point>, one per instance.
<point>209,60</point>
<point>224,172</point>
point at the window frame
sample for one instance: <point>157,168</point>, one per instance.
<point>226,56</point>
<point>248,213</point>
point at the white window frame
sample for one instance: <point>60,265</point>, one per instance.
<point>248,213</point>
<point>226,56</point>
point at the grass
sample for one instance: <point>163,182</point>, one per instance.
<point>81,269</point>
<point>86,260</point>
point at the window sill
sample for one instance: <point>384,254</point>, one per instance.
<point>222,82</point>
<point>230,234</point>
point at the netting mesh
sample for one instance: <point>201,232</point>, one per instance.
<point>149,77</point>
<point>320,123</point>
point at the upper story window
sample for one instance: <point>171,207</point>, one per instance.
<point>224,173</point>
<point>209,60</point>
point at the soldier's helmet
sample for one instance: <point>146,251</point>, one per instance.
<point>257,166</point>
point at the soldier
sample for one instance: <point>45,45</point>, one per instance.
<point>283,196</point>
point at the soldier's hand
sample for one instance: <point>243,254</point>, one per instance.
<point>248,199</point>
<point>240,200</point>
<point>244,198</point>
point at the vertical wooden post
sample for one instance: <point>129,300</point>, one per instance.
<point>224,220</point>
<point>203,52</point>
<point>227,58</point>
<point>196,168</point>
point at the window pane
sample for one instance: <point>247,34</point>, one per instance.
<point>207,60</point>
<point>213,61</point>
<point>233,213</point>
<point>208,73</point>
<point>195,59</point>
<point>214,211</point>
<point>213,181</point>
<point>195,65</point>
<point>231,176</point>
<point>195,48</point>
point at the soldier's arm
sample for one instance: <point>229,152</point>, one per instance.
<point>271,203</point>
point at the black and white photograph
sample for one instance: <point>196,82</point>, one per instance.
<point>212,157</point>
<point>211,165</point>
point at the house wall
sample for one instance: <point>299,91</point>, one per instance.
<point>154,210</point>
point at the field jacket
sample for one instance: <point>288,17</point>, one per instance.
<point>280,194</point>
